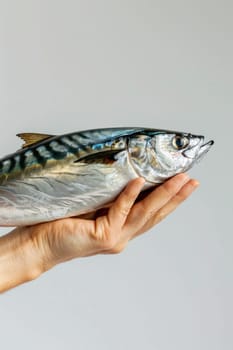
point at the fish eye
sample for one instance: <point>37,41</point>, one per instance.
<point>180,142</point>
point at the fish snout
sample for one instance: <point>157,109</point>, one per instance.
<point>198,148</point>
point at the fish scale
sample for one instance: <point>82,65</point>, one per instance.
<point>54,177</point>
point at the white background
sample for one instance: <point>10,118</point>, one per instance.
<point>73,65</point>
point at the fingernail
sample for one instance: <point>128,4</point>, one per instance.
<point>195,183</point>
<point>184,177</point>
<point>142,180</point>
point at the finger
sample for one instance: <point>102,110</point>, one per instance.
<point>168,208</point>
<point>120,209</point>
<point>103,226</point>
<point>183,194</point>
<point>145,209</point>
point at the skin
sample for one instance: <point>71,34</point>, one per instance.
<point>27,252</point>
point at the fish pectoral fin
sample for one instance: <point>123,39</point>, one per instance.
<point>32,138</point>
<point>103,157</point>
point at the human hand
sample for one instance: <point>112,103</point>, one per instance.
<point>70,238</point>
<point>40,247</point>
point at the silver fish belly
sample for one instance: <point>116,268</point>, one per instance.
<point>55,177</point>
<point>63,193</point>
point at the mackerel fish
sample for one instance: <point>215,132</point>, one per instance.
<point>53,177</point>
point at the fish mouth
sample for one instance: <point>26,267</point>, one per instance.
<point>198,150</point>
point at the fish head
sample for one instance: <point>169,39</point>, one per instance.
<point>160,155</point>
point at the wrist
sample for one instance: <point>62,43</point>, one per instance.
<point>19,260</point>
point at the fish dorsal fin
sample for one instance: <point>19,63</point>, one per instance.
<point>32,138</point>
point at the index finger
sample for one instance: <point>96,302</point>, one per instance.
<point>120,209</point>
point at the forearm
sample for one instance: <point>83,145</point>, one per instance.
<point>19,261</point>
